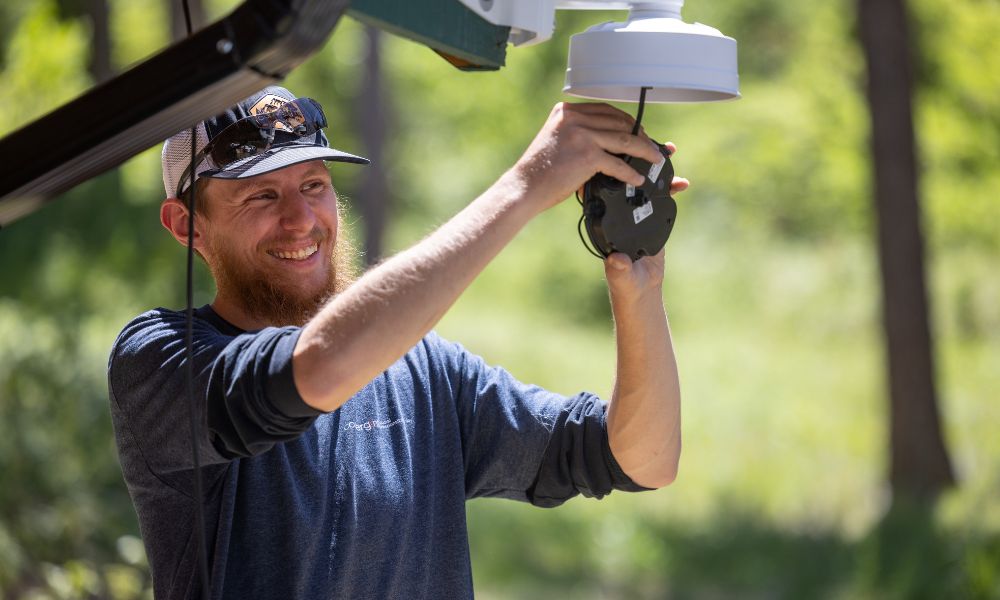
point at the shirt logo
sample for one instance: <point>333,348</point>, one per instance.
<point>373,425</point>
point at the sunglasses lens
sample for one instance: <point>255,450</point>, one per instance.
<point>254,134</point>
<point>312,113</point>
<point>291,117</point>
<point>238,141</point>
<point>302,116</point>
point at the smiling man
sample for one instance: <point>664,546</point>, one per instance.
<point>341,436</point>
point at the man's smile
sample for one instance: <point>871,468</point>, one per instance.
<point>300,254</point>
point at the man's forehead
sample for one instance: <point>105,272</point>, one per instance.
<point>313,167</point>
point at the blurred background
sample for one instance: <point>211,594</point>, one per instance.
<point>789,485</point>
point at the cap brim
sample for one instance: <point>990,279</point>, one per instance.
<point>280,157</point>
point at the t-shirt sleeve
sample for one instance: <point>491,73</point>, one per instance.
<point>244,390</point>
<point>522,442</point>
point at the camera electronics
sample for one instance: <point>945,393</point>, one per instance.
<point>620,217</point>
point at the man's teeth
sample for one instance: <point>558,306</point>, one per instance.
<point>298,254</point>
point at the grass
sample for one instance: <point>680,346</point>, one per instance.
<point>781,491</point>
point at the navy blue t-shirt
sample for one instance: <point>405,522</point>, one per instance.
<point>363,502</point>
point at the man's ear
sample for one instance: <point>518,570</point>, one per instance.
<point>174,217</point>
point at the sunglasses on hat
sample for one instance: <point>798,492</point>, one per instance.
<point>255,134</point>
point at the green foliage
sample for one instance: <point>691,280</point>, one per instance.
<point>771,290</point>
<point>739,553</point>
<point>45,65</point>
<point>781,489</point>
<point>959,121</point>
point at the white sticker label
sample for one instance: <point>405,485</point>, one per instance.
<point>642,212</point>
<point>654,170</point>
<point>629,190</point>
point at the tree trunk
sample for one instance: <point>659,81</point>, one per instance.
<point>97,12</point>
<point>100,57</point>
<point>372,115</point>
<point>919,464</point>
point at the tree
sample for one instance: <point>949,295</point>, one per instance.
<point>919,464</point>
<point>372,114</point>
<point>100,59</point>
<point>97,13</point>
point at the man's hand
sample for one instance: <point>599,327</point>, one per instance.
<point>578,141</point>
<point>631,282</point>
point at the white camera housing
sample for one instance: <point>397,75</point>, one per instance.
<point>654,48</point>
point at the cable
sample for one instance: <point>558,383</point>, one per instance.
<point>199,509</point>
<point>635,131</point>
<point>579,231</point>
<point>583,241</point>
<point>642,106</point>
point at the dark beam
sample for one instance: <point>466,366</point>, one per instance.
<point>257,44</point>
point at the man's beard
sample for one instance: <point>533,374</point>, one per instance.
<point>267,301</point>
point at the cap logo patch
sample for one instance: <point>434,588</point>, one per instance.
<point>269,103</point>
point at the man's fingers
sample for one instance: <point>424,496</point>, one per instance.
<point>598,116</point>
<point>615,142</point>
<point>620,142</point>
<point>608,122</point>
<point>594,108</point>
<point>679,185</point>
<point>613,166</point>
<point>618,261</point>
<point>591,136</point>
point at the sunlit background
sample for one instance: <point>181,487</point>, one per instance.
<point>772,289</point>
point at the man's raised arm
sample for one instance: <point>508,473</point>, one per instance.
<point>366,328</point>
<point>644,419</point>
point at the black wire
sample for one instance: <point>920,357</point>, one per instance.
<point>195,422</point>
<point>187,16</point>
<point>579,231</point>
<point>635,131</point>
<point>642,106</point>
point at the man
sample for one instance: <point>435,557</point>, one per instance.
<point>341,437</point>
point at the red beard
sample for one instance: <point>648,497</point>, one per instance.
<point>268,301</point>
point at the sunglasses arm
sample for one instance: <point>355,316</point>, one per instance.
<point>186,175</point>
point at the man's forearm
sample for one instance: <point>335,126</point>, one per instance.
<point>379,318</point>
<point>644,413</point>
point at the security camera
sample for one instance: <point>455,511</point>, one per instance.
<point>653,56</point>
<point>654,49</point>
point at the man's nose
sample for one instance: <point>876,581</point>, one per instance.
<point>297,212</point>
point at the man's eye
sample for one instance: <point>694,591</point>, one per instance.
<point>314,185</point>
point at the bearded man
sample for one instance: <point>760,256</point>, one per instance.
<point>340,436</point>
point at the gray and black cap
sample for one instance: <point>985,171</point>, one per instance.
<point>286,150</point>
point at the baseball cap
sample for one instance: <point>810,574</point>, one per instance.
<point>287,149</point>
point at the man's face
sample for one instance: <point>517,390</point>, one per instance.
<point>272,242</point>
